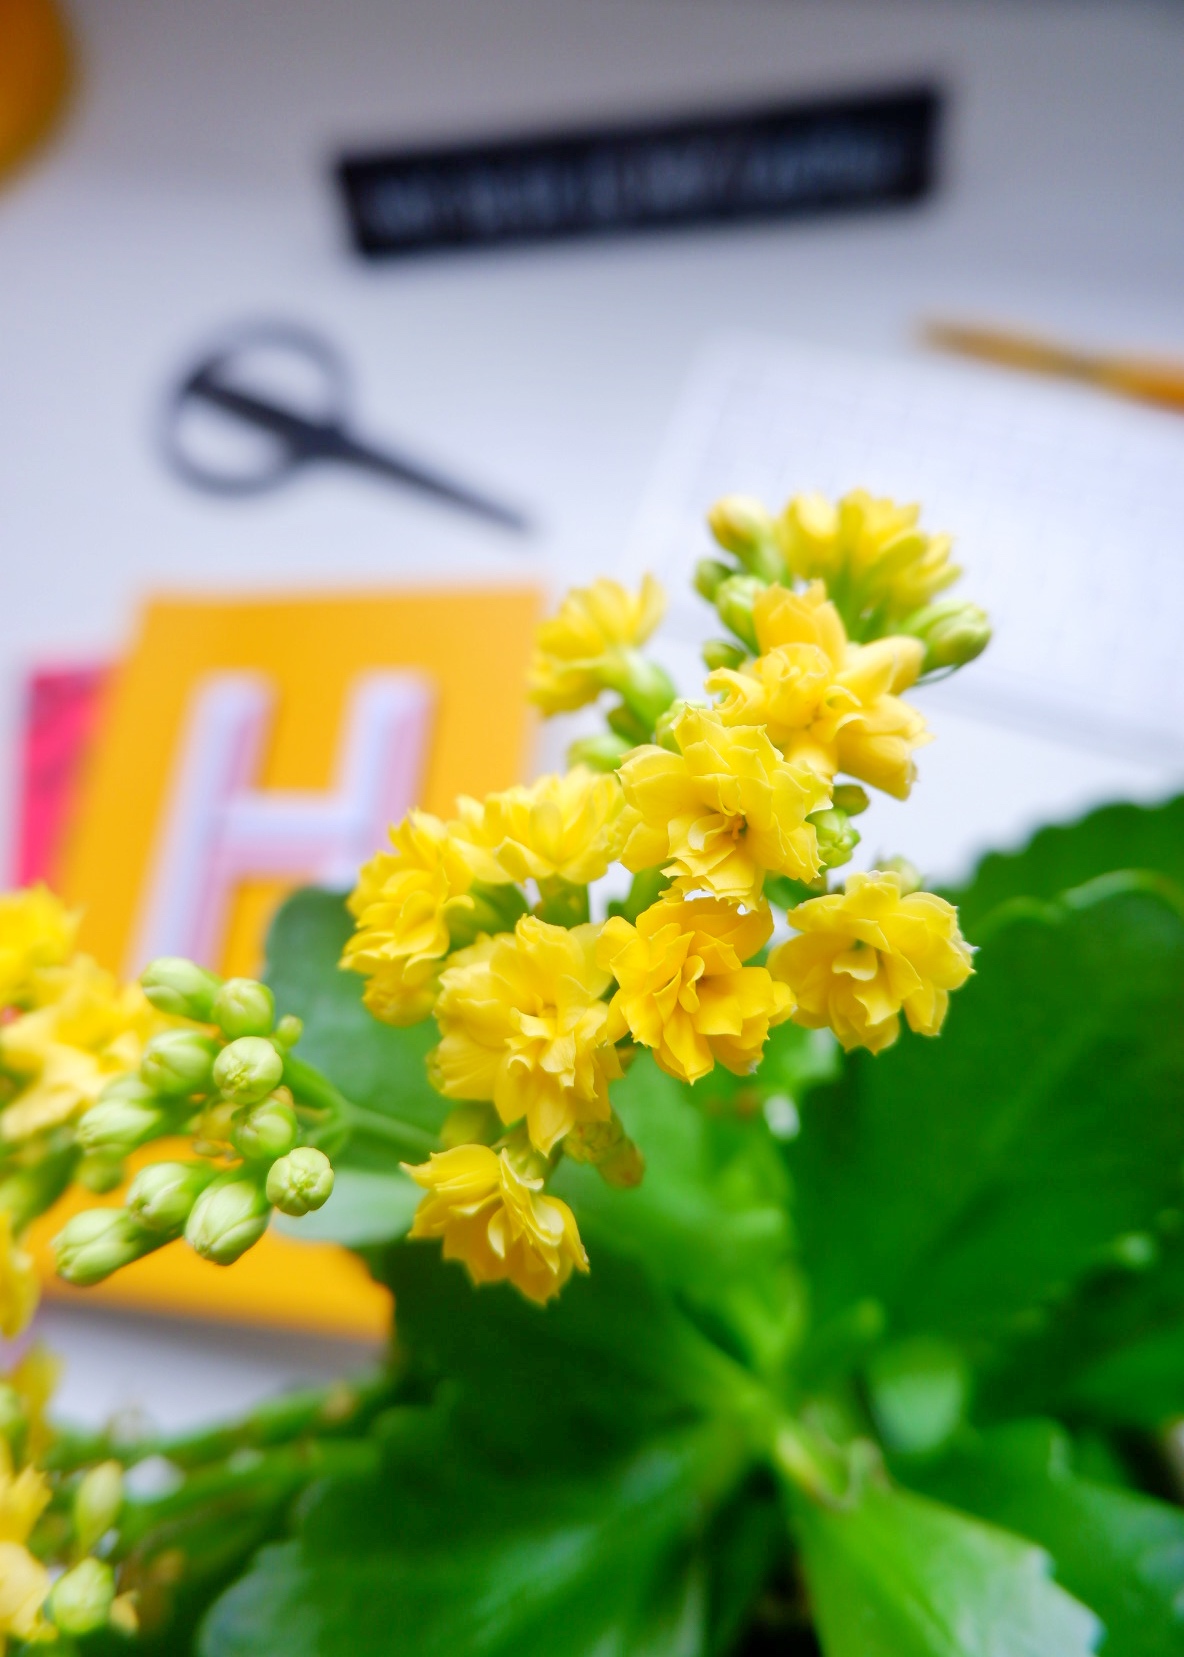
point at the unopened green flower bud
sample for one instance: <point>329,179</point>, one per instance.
<point>81,1600</point>
<point>177,1063</point>
<point>244,1007</point>
<point>97,1242</point>
<point>288,1031</point>
<point>100,1173</point>
<point>229,1217</point>
<point>180,987</point>
<point>851,798</point>
<point>161,1197</point>
<point>742,526</point>
<point>14,1418</point>
<point>300,1181</point>
<point>119,1124</point>
<point>599,753</point>
<point>248,1069</point>
<point>837,837</point>
<point>953,632</point>
<point>907,873</point>
<point>470,1125</point>
<point>710,573</point>
<point>722,653</point>
<point>734,601</point>
<point>623,722</point>
<point>664,729</point>
<point>645,688</point>
<point>267,1130</point>
<point>97,1502</point>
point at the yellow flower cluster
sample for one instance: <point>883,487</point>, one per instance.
<point>823,701</point>
<point>24,1580</point>
<point>484,921</point>
<point>868,550</point>
<point>867,955</point>
<point>586,647</point>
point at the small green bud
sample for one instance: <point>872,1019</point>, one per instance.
<point>734,601</point>
<point>623,722</point>
<point>97,1502</point>
<point>267,1130</point>
<point>851,798</point>
<point>599,753</point>
<point>909,874</point>
<point>470,1125</point>
<point>300,1181</point>
<point>177,1063</point>
<point>14,1418</point>
<point>742,526</point>
<point>664,729</point>
<point>229,1216</point>
<point>97,1242</point>
<point>81,1600</point>
<point>248,1069</point>
<point>953,632</point>
<point>837,837</point>
<point>174,985</point>
<point>244,1007</point>
<point>160,1197</point>
<point>709,575</point>
<point>722,653</point>
<point>100,1173</point>
<point>118,1125</point>
<point>644,687</point>
<point>289,1030</point>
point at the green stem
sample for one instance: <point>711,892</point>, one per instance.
<point>411,1141</point>
<point>343,1118</point>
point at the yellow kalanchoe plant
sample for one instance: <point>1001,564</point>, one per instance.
<point>719,810</point>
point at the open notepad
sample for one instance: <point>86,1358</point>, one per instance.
<point>1065,505</point>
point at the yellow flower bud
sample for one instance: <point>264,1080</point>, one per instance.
<point>97,1502</point>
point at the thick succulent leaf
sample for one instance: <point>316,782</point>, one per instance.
<point>374,1065</point>
<point>897,1575</point>
<point>610,1360</point>
<point>368,1206</point>
<point>1067,855</point>
<point>962,1186</point>
<point>711,1218</point>
<point>446,1554</point>
<point>1114,1353</point>
<point>1121,1553</point>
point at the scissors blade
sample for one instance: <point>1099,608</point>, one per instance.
<point>417,475</point>
<point>308,440</point>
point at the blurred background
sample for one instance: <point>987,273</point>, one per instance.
<point>536,410</point>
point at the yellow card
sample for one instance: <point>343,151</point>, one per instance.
<point>249,746</point>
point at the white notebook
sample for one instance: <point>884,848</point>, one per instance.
<point>1066,505</point>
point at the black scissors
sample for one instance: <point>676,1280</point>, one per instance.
<point>271,439</point>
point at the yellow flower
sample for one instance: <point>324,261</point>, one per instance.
<point>19,1286</point>
<point>36,930</point>
<point>586,646</point>
<point>569,827</point>
<point>684,989</point>
<point>869,551</point>
<point>869,953</point>
<point>85,1030</point>
<point>403,901</point>
<point>34,1379</point>
<point>24,1581</point>
<point>497,1221</point>
<point>823,701</point>
<point>522,1024</point>
<point>723,811</point>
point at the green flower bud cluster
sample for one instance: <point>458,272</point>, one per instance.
<point>222,1079</point>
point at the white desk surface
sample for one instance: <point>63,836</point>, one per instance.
<point>189,189</point>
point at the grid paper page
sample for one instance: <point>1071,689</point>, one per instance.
<point>1063,503</point>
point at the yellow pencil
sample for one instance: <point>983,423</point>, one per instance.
<point>1146,378</point>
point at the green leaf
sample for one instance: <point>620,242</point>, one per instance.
<point>710,1220</point>
<point>610,1360</point>
<point>1122,1553</point>
<point>367,1207</point>
<point>963,1185</point>
<point>446,1555</point>
<point>1067,855</point>
<point>897,1575</point>
<point>373,1064</point>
